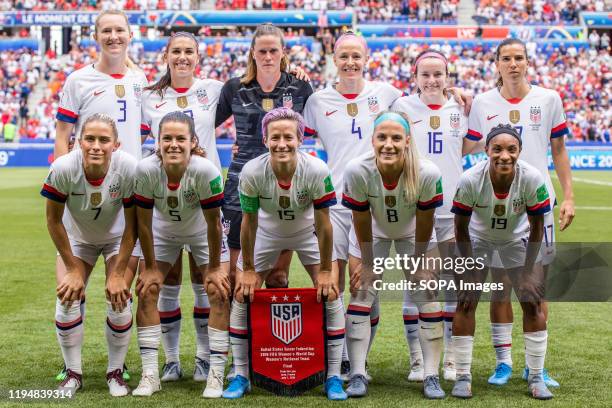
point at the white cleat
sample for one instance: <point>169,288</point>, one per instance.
<point>116,384</point>
<point>416,373</point>
<point>214,383</point>
<point>450,372</point>
<point>149,385</point>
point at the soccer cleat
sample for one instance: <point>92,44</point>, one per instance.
<point>538,389</point>
<point>416,373</point>
<point>357,386</point>
<point>450,372</point>
<point>126,374</point>
<point>61,376</point>
<point>149,385</point>
<point>333,389</point>
<point>200,372</point>
<point>72,382</point>
<point>345,370</point>
<point>214,383</point>
<point>171,372</point>
<point>502,374</point>
<point>432,388</point>
<point>237,388</point>
<point>116,384</point>
<point>463,387</point>
<point>548,380</point>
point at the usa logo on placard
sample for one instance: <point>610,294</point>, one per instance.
<point>286,321</point>
<point>287,101</point>
<point>455,120</point>
<point>373,104</point>
<point>535,114</point>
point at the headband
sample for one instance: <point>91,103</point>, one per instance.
<point>504,129</point>
<point>395,117</point>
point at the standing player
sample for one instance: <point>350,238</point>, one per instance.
<point>178,194</point>
<point>393,195</point>
<point>176,90</point>
<point>537,114</point>
<point>86,189</point>
<point>278,192</point>
<point>499,207</point>
<point>440,129</point>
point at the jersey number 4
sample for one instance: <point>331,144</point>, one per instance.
<point>356,131</point>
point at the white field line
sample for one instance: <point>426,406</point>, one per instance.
<point>589,181</point>
<point>587,208</point>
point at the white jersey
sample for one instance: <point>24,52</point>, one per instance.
<point>94,208</point>
<point>344,123</point>
<point>438,132</point>
<point>500,217</point>
<point>199,101</point>
<point>285,211</point>
<point>394,217</point>
<point>88,91</point>
<point>178,209</point>
<point>538,117</point>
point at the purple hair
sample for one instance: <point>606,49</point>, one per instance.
<point>283,114</point>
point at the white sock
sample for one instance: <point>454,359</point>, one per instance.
<point>535,351</point>
<point>501,336</point>
<point>448,315</point>
<point>463,354</point>
<point>335,336</point>
<point>239,338</point>
<point>148,342</point>
<point>411,330</point>
<point>69,331</point>
<point>118,333</point>
<point>344,349</point>
<point>83,308</point>
<point>219,346</point>
<point>201,310</point>
<point>170,319</point>
<point>374,317</point>
<point>358,331</point>
<point>431,334</point>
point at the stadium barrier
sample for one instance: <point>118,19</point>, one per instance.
<point>587,156</point>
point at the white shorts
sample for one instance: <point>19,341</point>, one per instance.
<point>225,256</point>
<point>168,250</point>
<point>510,254</point>
<point>355,251</point>
<point>89,253</point>
<point>445,229</point>
<point>268,248</point>
<point>342,224</point>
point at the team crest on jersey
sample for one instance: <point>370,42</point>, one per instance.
<point>373,104</point>
<point>120,91</point>
<point>113,190</point>
<point>434,122</point>
<point>302,197</point>
<point>514,116</point>
<point>202,96</point>
<point>181,102</point>
<point>95,198</point>
<point>455,121</point>
<point>267,104</point>
<point>499,210</point>
<point>518,205</point>
<point>352,109</point>
<point>190,196</point>
<point>284,202</point>
<point>390,201</point>
<point>172,201</point>
<point>286,321</point>
<point>535,114</point>
<point>287,101</point>
<point>137,91</point>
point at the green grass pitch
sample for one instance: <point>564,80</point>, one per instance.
<point>579,348</point>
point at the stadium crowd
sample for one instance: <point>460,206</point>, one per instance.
<point>93,5</point>
<point>534,11</point>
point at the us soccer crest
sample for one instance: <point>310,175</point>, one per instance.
<point>137,91</point>
<point>514,116</point>
<point>287,101</point>
<point>434,122</point>
<point>518,205</point>
<point>95,198</point>
<point>113,190</point>
<point>535,114</point>
<point>455,121</point>
<point>284,202</point>
<point>373,104</point>
<point>302,197</point>
<point>352,109</point>
<point>181,101</point>
<point>120,91</point>
<point>499,210</point>
<point>286,321</point>
<point>202,96</point>
<point>390,201</point>
<point>172,201</point>
<point>190,196</point>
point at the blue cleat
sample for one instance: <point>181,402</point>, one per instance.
<point>548,380</point>
<point>333,389</point>
<point>237,388</point>
<point>502,374</point>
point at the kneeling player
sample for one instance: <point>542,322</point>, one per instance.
<point>495,203</point>
<point>92,182</point>
<point>278,191</point>
<point>393,195</point>
<point>178,194</point>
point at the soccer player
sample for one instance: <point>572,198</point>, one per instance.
<point>393,195</point>
<point>537,114</point>
<point>179,195</point>
<point>440,129</point>
<point>86,190</point>
<point>285,195</point>
<point>499,207</point>
<point>111,85</point>
<point>176,90</point>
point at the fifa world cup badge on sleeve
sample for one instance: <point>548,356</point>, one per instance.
<point>287,341</point>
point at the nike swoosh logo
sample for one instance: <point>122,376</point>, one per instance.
<point>160,105</point>
<point>371,196</point>
<point>244,105</point>
<point>481,206</point>
<point>331,112</point>
<point>427,328</point>
<point>96,93</point>
<point>491,117</point>
<point>358,322</point>
<point>414,123</point>
<point>265,198</point>
<point>412,331</point>
<point>77,194</point>
<point>165,331</point>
